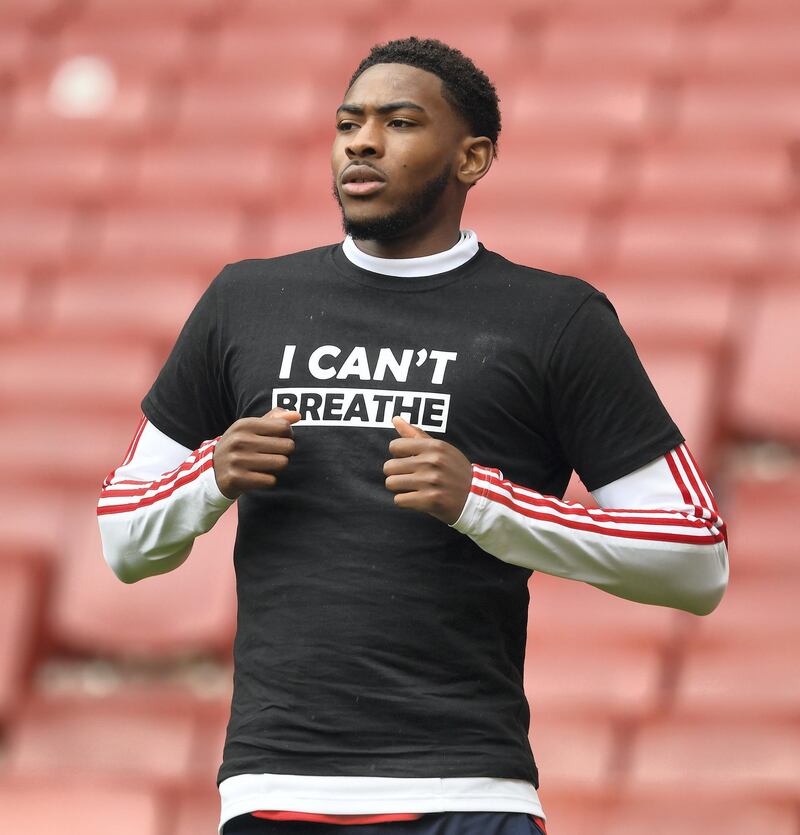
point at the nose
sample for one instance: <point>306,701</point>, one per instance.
<point>364,141</point>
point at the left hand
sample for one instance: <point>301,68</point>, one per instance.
<point>427,474</point>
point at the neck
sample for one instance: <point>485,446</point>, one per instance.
<point>414,245</point>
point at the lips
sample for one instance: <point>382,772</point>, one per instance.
<point>361,180</point>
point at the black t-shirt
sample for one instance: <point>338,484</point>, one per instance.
<point>375,641</point>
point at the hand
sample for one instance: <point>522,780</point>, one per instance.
<point>427,474</point>
<point>252,451</point>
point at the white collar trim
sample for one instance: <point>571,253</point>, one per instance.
<point>440,262</point>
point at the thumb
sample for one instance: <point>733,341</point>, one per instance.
<point>406,430</point>
<point>285,414</point>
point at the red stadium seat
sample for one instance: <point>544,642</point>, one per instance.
<point>717,176</point>
<point>196,811</point>
<point>292,231</point>
<point>762,112</point>
<point>190,609</point>
<point>530,172</point>
<point>16,44</point>
<point>144,741</point>
<point>355,12</point>
<point>124,13</point>
<point>734,757</point>
<point>654,309</point>
<point>758,681</point>
<point>579,679</point>
<point>629,45</point>
<point>53,451</point>
<point>687,381</point>
<point>633,8</point>
<point>217,175</point>
<point>45,172</point>
<point>555,240</point>
<point>755,611</point>
<point>123,306</point>
<point>572,753</point>
<point>551,105</point>
<point>30,12</point>
<point>763,513</point>
<point>697,815</point>
<point>758,44</point>
<point>35,805</point>
<point>35,236</point>
<point>16,291</point>
<point>164,238</point>
<point>764,396</point>
<point>678,239</point>
<point>21,598</point>
<point>569,613</point>
<point>260,111</point>
<point>38,373</point>
<point>34,520</point>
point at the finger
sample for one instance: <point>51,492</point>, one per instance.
<point>407,483</point>
<point>401,466</point>
<point>410,501</point>
<point>272,426</point>
<point>261,463</point>
<point>406,430</point>
<point>272,445</point>
<point>285,414</point>
<point>404,447</point>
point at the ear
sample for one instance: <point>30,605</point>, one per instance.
<point>477,153</point>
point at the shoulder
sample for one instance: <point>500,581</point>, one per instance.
<point>267,271</point>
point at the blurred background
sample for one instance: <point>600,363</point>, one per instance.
<point>651,147</point>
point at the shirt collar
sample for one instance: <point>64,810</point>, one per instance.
<point>440,262</point>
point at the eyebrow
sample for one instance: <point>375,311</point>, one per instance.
<point>382,109</point>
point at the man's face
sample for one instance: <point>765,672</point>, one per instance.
<point>396,143</point>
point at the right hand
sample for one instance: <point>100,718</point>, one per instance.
<point>252,451</point>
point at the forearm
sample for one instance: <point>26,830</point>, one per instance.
<point>156,503</point>
<point>667,547</point>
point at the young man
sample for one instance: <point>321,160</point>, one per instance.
<point>375,407</point>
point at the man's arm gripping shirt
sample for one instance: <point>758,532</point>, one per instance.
<point>156,502</point>
<point>666,547</point>
<point>657,537</point>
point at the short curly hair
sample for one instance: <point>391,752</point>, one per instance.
<point>466,88</point>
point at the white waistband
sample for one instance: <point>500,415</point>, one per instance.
<point>374,795</point>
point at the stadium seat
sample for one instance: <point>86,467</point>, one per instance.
<point>757,112</point>
<point>47,173</point>
<point>15,48</point>
<point>687,380</point>
<point>125,13</point>
<point>13,301</point>
<point>196,811</point>
<point>189,610</point>
<point>555,240</point>
<point>528,173</point>
<point>355,12</point>
<point>31,12</point>
<point>651,814</point>
<point>763,509</point>
<point>550,105</point>
<point>735,757</point>
<point>588,45</point>
<point>200,239</point>
<point>40,374</point>
<point>755,611</point>
<point>260,111</point>
<point>573,753</point>
<point>146,741</point>
<point>633,8</point>
<point>679,239</point>
<point>292,231</point>
<point>578,679</point>
<point>52,451</point>
<point>715,176</point>
<point>762,680</point>
<point>21,600</point>
<point>34,521</point>
<point>568,613</point>
<point>35,236</point>
<point>653,308</point>
<point>756,45</point>
<point>35,805</point>
<point>231,175</point>
<point>123,306</point>
<point>571,812</point>
<point>763,397</point>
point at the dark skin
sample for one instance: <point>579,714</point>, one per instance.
<point>395,127</point>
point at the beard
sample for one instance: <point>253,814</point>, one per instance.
<point>402,220</point>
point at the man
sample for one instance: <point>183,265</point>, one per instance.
<point>374,407</point>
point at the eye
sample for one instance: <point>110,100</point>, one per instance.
<point>402,123</point>
<point>345,126</point>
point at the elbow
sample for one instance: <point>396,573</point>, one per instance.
<point>710,591</point>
